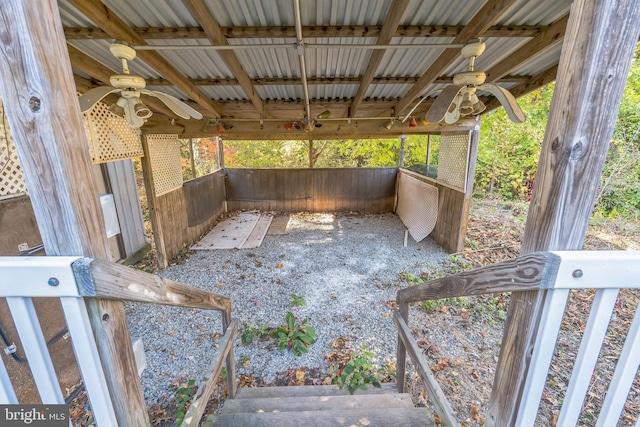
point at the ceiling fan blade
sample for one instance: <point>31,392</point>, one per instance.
<point>90,98</point>
<point>177,106</point>
<point>441,105</point>
<point>507,100</point>
<point>453,113</point>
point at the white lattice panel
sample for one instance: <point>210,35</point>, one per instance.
<point>417,206</point>
<point>11,176</point>
<point>453,158</point>
<point>110,136</point>
<point>164,155</point>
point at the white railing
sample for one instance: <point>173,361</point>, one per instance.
<point>71,279</point>
<point>556,273</point>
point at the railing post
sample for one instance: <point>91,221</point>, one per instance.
<point>401,358</point>
<point>230,361</point>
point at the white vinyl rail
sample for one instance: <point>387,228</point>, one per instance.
<point>607,272</point>
<point>25,277</point>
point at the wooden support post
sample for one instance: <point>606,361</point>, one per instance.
<point>428,152</point>
<point>150,189</point>
<point>39,95</point>
<point>403,140</point>
<point>194,174</point>
<point>220,156</point>
<point>600,40</point>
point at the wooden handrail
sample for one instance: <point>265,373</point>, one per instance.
<point>199,402</point>
<point>438,398</point>
<point>528,272</point>
<point>533,271</point>
<point>103,279</point>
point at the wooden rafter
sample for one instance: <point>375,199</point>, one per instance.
<point>95,69</point>
<point>202,14</point>
<point>118,29</point>
<point>543,41</point>
<point>321,81</point>
<point>156,33</point>
<point>529,86</point>
<point>476,27</point>
<point>389,27</point>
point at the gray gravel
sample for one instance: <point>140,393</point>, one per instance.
<point>346,267</point>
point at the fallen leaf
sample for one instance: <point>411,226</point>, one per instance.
<point>279,265</point>
<point>553,420</point>
<point>219,286</point>
<point>172,332</point>
<point>327,381</point>
<point>385,315</point>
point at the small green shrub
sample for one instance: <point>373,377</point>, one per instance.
<point>297,301</point>
<point>184,394</point>
<point>251,333</point>
<point>358,371</point>
<point>297,337</point>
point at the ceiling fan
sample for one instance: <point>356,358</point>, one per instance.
<point>131,87</point>
<point>461,99</point>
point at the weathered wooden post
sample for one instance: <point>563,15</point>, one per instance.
<point>220,156</point>
<point>403,140</point>
<point>599,44</point>
<point>39,95</point>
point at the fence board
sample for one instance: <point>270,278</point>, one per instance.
<point>315,190</point>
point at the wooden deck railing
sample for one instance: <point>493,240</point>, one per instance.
<point>556,272</point>
<point>74,278</point>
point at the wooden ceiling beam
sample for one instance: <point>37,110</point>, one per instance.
<point>330,130</point>
<point>389,27</point>
<point>118,29</point>
<point>546,39</point>
<point>83,62</point>
<point>322,81</point>
<point>203,16</point>
<point>164,33</point>
<point>532,84</point>
<point>476,27</point>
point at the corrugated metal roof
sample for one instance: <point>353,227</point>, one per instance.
<point>194,63</point>
<point>539,63</point>
<point>273,63</point>
<point>441,12</point>
<point>527,12</point>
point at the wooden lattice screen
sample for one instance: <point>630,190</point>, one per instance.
<point>110,137</point>
<point>164,156</point>
<point>12,182</point>
<point>453,159</point>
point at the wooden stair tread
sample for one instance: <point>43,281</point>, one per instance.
<point>317,403</point>
<point>309,390</point>
<point>397,417</point>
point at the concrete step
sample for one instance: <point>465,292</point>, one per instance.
<point>385,417</point>
<point>317,403</point>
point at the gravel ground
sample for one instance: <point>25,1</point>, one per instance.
<point>346,267</point>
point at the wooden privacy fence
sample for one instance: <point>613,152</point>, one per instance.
<point>312,190</point>
<point>556,273</point>
<point>72,279</point>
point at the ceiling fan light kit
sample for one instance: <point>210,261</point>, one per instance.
<point>461,99</point>
<point>131,87</point>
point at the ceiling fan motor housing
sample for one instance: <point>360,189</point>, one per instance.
<point>469,78</point>
<point>127,81</point>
